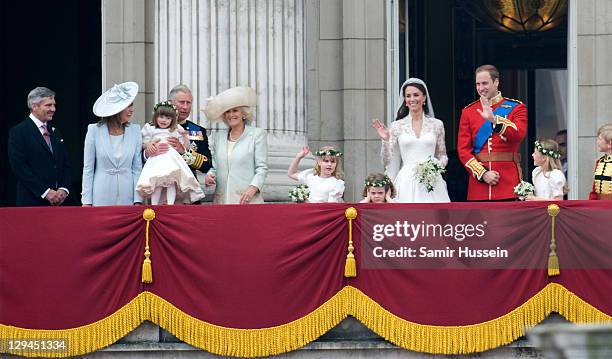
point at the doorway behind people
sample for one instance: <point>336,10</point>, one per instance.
<point>445,44</point>
<point>56,45</point>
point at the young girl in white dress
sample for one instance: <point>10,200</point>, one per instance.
<point>167,171</point>
<point>325,180</point>
<point>547,177</point>
<point>378,189</point>
<point>413,138</point>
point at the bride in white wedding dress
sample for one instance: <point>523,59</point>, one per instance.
<point>414,137</point>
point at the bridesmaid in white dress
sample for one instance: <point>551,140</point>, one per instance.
<point>414,137</point>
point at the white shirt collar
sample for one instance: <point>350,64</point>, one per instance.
<point>36,121</point>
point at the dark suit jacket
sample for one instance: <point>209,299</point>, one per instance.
<point>34,165</point>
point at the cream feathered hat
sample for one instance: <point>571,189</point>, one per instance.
<point>241,96</point>
<point>116,99</point>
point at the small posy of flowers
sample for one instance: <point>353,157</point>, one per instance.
<point>427,173</point>
<point>188,157</point>
<point>299,194</point>
<point>524,189</point>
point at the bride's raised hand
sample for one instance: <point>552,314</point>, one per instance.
<point>380,128</point>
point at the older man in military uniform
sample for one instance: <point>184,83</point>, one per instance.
<point>201,159</point>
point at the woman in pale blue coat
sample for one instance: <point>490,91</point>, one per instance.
<point>240,153</point>
<point>113,151</point>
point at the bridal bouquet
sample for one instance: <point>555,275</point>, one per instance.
<point>299,194</point>
<point>427,172</point>
<point>524,189</point>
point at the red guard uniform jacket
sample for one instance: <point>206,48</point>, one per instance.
<point>508,133</point>
<point>602,179</point>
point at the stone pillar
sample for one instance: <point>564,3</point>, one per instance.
<point>345,61</point>
<point>127,50</point>
<point>594,36</point>
<point>214,45</point>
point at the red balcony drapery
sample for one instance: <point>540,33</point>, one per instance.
<point>265,279</point>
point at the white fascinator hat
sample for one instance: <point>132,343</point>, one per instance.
<point>116,99</point>
<point>241,96</point>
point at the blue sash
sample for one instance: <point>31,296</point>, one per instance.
<point>486,129</point>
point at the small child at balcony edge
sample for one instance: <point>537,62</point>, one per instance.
<point>324,180</point>
<point>548,178</point>
<point>378,189</point>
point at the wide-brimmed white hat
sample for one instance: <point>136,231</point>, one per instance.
<point>229,99</point>
<point>116,99</point>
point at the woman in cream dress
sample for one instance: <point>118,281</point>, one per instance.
<point>240,153</point>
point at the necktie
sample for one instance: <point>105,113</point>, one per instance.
<point>46,136</point>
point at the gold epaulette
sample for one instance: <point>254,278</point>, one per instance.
<point>471,104</point>
<point>512,99</point>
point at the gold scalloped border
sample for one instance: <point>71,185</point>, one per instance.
<point>293,335</point>
<point>476,337</point>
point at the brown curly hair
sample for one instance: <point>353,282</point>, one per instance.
<point>377,176</point>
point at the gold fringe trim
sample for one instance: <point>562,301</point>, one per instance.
<point>85,339</point>
<point>293,335</point>
<point>476,337</point>
<point>250,342</point>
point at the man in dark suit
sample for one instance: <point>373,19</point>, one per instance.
<point>37,154</point>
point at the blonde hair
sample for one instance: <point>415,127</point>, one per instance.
<point>377,176</point>
<point>550,163</point>
<point>247,115</point>
<point>338,170</point>
<point>605,131</point>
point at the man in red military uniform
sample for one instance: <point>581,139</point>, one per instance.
<point>491,130</point>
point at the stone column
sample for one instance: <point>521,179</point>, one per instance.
<point>127,50</point>
<point>594,36</point>
<point>345,61</point>
<point>214,45</point>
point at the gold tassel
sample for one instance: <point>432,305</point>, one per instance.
<point>553,259</point>
<point>147,270</point>
<point>350,267</point>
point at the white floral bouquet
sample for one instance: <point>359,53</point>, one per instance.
<point>524,189</point>
<point>299,194</point>
<point>427,172</point>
